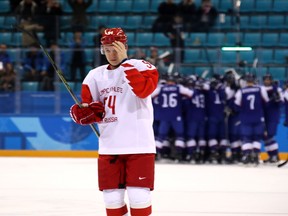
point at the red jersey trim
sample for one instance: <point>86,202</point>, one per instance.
<point>143,83</point>
<point>126,65</point>
<point>86,94</point>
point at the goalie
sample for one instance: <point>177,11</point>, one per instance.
<point>117,97</point>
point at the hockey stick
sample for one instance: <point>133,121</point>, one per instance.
<point>163,55</point>
<point>255,66</point>
<point>283,163</point>
<point>208,58</point>
<point>58,71</point>
<point>204,74</point>
<point>170,68</point>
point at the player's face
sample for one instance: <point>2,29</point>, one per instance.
<point>267,82</point>
<point>111,54</point>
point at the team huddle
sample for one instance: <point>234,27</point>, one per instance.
<point>198,120</point>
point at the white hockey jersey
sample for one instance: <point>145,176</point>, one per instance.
<point>127,126</point>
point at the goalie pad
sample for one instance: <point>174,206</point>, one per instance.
<point>93,113</point>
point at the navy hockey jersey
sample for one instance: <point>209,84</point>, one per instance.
<point>249,101</point>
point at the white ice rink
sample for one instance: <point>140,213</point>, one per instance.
<point>68,187</point>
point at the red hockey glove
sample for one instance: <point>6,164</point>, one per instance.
<point>98,108</point>
<point>95,112</point>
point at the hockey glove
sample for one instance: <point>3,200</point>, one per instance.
<point>98,108</point>
<point>94,112</point>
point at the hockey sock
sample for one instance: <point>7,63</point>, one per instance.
<point>117,211</point>
<point>141,211</point>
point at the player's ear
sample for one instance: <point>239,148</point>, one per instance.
<point>126,46</point>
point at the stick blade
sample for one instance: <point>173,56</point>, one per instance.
<point>282,164</point>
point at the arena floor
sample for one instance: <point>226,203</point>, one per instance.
<point>68,187</point>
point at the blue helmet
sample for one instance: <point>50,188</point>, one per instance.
<point>249,77</point>
<point>267,76</point>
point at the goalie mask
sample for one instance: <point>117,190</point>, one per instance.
<point>111,35</point>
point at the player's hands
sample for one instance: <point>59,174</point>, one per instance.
<point>89,114</point>
<point>120,49</point>
<point>98,108</point>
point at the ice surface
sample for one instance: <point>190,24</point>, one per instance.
<point>68,187</point>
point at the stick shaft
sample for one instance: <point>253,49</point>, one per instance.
<point>67,86</point>
<point>60,75</point>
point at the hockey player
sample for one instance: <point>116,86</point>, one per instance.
<point>195,122</point>
<point>285,98</point>
<point>249,101</point>
<point>170,116</point>
<point>157,110</point>
<point>233,117</point>
<point>272,117</point>
<point>117,96</point>
<point>215,100</point>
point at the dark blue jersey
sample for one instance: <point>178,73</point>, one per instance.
<point>195,109</point>
<point>272,109</point>
<point>285,98</point>
<point>170,101</point>
<point>215,103</point>
<point>230,98</point>
<point>156,108</point>
<point>249,101</point>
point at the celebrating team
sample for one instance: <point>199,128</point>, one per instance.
<point>198,120</point>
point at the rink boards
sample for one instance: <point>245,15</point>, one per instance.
<point>58,136</point>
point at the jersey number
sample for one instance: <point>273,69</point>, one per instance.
<point>111,102</point>
<point>169,100</point>
<point>217,98</point>
<point>148,64</point>
<point>251,99</point>
<point>199,101</point>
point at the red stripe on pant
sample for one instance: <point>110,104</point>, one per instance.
<point>141,212</point>
<point>117,212</point>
